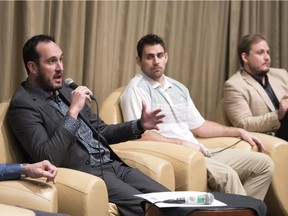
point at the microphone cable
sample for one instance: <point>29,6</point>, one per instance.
<point>150,205</point>
<point>230,146</point>
<point>98,137</point>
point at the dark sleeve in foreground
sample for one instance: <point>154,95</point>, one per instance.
<point>10,171</point>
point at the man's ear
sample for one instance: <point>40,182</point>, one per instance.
<point>166,57</point>
<point>138,61</point>
<point>244,57</point>
<point>32,67</point>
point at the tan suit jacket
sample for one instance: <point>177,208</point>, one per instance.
<point>248,106</point>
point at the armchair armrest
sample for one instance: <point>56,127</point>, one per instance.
<point>158,169</point>
<point>271,143</point>
<point>15,211</point>
<point>81,194</point>
<point>223,142</point>
<point>277,196</point>
<point>188,164</point>
<point>28,193</point>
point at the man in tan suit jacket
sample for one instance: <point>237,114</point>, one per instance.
<point>256,97</point>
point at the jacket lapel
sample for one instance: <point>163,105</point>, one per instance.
<point>44,106</point>
<point>275,82</point>
<point>254,84</point>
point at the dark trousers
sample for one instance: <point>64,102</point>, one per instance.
<point>283,130</point>
<point>123,183</point>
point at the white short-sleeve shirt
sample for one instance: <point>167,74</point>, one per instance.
<point>172,98</point>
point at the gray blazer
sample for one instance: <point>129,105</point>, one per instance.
<point>248,106</point>
<point>38,129</point>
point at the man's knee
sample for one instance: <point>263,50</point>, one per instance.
<point>226,181</point>
<point>268,165</point>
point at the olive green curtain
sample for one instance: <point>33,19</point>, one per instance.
<point>99,40</point>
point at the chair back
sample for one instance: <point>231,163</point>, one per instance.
<point>10,151</point>
<point>110,110</point>
<point>220,114</point>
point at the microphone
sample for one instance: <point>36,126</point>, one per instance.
<point>207,153</point>
<point>71,84</point>
<point>203,199</point>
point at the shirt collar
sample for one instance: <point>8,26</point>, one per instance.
<point>39,91</point>
<point>259,79</point>
<point>154,84</point>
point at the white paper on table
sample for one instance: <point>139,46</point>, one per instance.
<point>157,197</point>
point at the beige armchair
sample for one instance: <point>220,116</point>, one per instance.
<point>189,166</point>
<point>78,193</point>
<point>26,193</point>
<point>277,196</point>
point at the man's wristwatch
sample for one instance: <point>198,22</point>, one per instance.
<point>23,171</point>
<point>137,128</point>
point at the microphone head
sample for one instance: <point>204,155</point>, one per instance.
<point>68,81</point>
<point>208,198</point>
<point>71,84</point>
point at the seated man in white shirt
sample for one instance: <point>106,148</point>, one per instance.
<point>230,171</point>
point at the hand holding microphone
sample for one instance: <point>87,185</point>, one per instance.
<point>78,97</point>
<point>198,146</point>
<point>71,84</point>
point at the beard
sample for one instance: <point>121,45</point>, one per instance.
<point>262,73</point>
<point>45,83</point>
<point>257,71</point>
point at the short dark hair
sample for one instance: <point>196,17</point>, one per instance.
<point>29,52</point>
<point>149,39</point>
<point>246,42</point>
